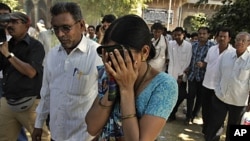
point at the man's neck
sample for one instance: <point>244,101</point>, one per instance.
<point>222,48</point>
<point>179,42</point>
<point>202,43</point>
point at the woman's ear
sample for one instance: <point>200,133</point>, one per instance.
<point>145,52</point>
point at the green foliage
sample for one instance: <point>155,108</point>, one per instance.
<point>232,15</point>
<point>94,10</point>
<point>198,20</point>
<point>13,4</point>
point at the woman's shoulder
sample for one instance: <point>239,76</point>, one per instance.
<point>162,82</point>
<point>163,77</point>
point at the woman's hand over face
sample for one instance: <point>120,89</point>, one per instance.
<point>124,71</point>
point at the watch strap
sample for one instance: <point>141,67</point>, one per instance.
<point>10,56</point>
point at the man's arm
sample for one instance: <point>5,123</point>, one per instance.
<point>23,67</point>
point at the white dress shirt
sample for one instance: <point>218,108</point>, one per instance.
<point>68,90</point>
<point>179,57</point>
<point>159,61</point>
<point>212,59</point>
<point>233,83</point>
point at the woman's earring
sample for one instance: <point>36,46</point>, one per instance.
<point>143,59</point>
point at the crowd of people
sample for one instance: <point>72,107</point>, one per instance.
<point>117,81</point>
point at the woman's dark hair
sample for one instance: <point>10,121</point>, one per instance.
<point>64,7</point>
<point>132,31</point>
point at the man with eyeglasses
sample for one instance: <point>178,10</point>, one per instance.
<point>231,87</point>
<point>70,77</point>
<point>21,61</point>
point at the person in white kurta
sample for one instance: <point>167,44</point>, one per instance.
<point>180,54</point>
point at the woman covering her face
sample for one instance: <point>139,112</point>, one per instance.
<point>134,100</point>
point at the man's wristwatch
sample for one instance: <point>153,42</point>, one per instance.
<point>10,56</point>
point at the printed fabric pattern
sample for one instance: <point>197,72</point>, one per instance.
<point>157,99</point>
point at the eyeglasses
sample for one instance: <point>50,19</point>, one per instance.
<point>240,40</point>
<point>18,21</point>
<point>64,28</point>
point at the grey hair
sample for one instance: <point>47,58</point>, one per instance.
<point>67,7</point>
<point>244,33</point>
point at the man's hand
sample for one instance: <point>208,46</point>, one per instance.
<point>37,134</point>
<point>179,79</point>
<point>4,49</point>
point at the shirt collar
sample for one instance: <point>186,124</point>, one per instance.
<point>182,44</point>
<point>26,39</point>
<point>82,46</point>
<point>244,56</point>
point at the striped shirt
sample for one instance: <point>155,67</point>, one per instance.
<point>68,91</point>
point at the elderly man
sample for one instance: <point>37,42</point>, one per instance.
<point>70,77</point>
<point>231,88</point>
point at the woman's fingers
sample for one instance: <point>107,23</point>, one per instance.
<point>114,56</point>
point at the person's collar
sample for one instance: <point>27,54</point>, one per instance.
<point>26,39</point>
<point>243,56</point>
<point>82,46</point>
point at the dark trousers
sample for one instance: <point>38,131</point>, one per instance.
<point>206,102</point>
<point>182,94</point>
<point>217,117</point>
<point>194,95</point>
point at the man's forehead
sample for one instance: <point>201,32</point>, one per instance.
<point>178,33</point>
<point>62,19</point>
<point>3,11</point>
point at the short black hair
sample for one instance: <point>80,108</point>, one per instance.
<point>224,29</point>
<point>70,7</point>
<point>157,26</point>
<point>91,26</point>
<point>180,29</point>
<point>5,7</point>
<point>193,34</point>
<point>108,18</point>
<point>204,28</point>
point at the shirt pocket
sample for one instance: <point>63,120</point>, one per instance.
<point>243,74</point>
<point>78,83</point>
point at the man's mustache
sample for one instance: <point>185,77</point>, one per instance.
<point>9,28</point>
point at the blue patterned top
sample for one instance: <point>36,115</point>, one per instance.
<point>198,54</point>
<point>157,99</point>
